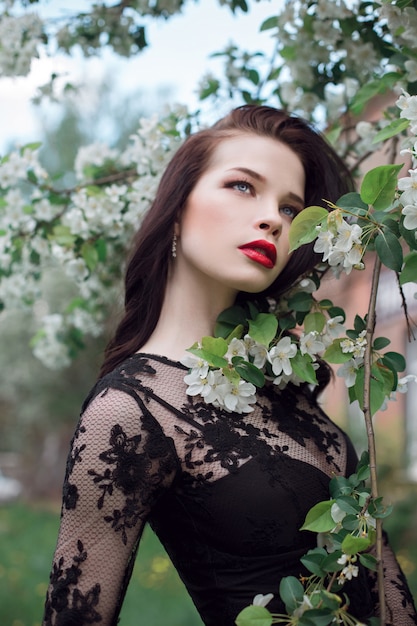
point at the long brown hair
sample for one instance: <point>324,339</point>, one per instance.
<point>327,178</point>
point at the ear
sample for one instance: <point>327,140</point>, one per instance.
<point>177,229</point>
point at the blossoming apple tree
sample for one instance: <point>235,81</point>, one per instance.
<point>331,60</point>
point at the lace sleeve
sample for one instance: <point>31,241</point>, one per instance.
<point>400,609</point>
<point>119,464</point>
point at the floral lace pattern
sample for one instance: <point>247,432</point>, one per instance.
<point>225,492</point>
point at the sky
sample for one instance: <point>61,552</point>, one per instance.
<point>176,58</point>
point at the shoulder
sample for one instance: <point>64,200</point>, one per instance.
<point>138,375</point>
<point>135,391</point>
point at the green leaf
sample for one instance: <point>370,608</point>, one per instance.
<point>254,616</point>
<point>377,389</point>
<point>334,354</point>
<point>352,200</point>
<point>212,358</point>
<point>303,228</point>
<point>394,128</point>
<point>380,343</point>
<point>313,561</point>
<point>31,146</point>
<point>331,600</point>
<point>350,522</point>
<point>90,255</point>
<point>359,324</point>
<point>235,334</point>
<point>301,301</point>
<point>316,617</point>
<point>389,250</point>
<point>101,248</point>
<point>364,472</point>
<point>303,368</point>
<point>371,89</point>
<point>228,320</point>
<point>394,361</point>
<point>379,185</point>
<point>250,373</point>
<point>348,504</point>
<point>353,545</point>
<point>409,271</point>
<point>330,564</point>
<point>263,328</point>
<point>378,509</point>
<point>368,561</point>
<point>291,592</point>
<point>408,235</point>
<point>215,345</point>
<point>314,322</point>
<point>231,375</point>
<point>340,486</point>
<point>363,95</point>
<point>319,519</point>
<point>62,235</point>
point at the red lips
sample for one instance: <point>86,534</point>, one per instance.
<point>260,251</point>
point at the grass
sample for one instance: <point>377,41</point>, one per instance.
<point>156,595</point>
<point>27,540</point>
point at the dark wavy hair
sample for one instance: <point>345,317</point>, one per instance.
<point>327,178</point>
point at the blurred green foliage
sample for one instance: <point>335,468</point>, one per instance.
<point>27,541</point>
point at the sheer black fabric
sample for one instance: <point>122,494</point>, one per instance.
<point>226,494</point>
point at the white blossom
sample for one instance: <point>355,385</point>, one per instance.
<point>324,243</point>
<point>347,236</point>
<point>311,344</point>
<point>196,382</point>
<point>303,607</point>
<point>349,371</point>
<point>94,154</point>
<point>410,212</point>
<point>350,570</point>
<point>19,40</point>
<point>50,347</point>
<point>237,397</point>
<point>408,106</point>
<point>195,363</point>
<point>44,210</point>
<point>402,385</point>
<point>237,347</point>
<point>411,68</point>
<point>262,599</point>
<point>408,186</point>
<point>333,328</point>
<point>355,346</point>
<point>279,356</point>
<point>76,269</point>
<point>337,513</point>
<point>256,350</point>
<point>85,321</point>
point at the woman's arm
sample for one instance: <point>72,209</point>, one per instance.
<point>119,464</point>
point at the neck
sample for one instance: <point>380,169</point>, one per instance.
<point>189,312</point>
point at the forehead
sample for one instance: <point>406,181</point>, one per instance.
<point>253,147</point>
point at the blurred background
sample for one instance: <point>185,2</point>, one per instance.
<point>39,407</point>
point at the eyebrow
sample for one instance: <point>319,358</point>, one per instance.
<point>262,179</point>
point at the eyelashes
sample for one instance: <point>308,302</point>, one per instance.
<point>242,186</point>
<point>245,187</point>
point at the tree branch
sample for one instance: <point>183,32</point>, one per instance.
<point>370,327</point>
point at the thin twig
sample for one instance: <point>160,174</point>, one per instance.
<point>370,327</point>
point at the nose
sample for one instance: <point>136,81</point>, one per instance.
<point>271,222</point>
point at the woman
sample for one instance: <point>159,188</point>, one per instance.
<point>226,492</point>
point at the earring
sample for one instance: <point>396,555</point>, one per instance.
<point>174,246</point>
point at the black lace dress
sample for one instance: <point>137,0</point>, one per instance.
<point>225,493</point>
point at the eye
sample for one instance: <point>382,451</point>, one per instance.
<point>289,211</point>
<point>243,186</point>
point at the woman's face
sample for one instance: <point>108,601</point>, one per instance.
<point>233,233</point>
